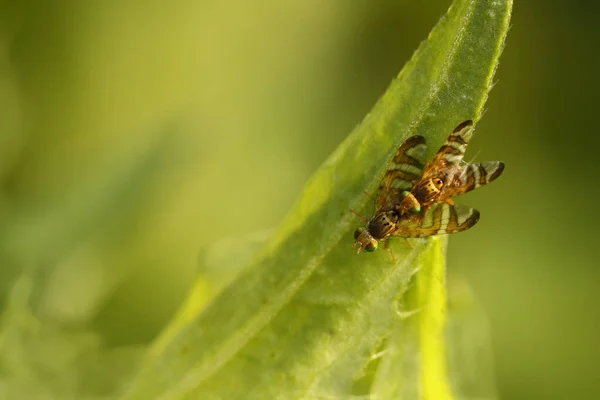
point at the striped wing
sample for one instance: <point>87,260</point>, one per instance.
<point>407,166</point>
<point>453,150</point>
<point>472,176</point>
<point>439,219</point>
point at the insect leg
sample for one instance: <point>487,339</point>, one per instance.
<point>387,248</point>
<point>358,246</point>
<point>363,219</point>
<point>368,195</point>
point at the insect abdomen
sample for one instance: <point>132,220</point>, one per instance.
<point>409,203</point>
<point>428,191</point>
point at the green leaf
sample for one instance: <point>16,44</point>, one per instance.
<point>308,318</point>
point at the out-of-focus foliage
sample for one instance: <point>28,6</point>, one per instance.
<point>134,134</point>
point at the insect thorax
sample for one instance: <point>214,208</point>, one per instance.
<point>383,224</point>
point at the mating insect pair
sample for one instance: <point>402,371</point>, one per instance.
<point>414,198</point>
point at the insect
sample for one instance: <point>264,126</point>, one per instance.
<point>414,200</point>
<point>445,176</point>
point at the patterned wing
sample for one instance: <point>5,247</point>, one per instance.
<point>439,219</point>
<point>453,150</point>
<point>407,166</point>
<point>471,177</point>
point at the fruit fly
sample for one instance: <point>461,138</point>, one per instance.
<point>414,200</point>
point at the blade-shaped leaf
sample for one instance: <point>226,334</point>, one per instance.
<point>308,316</point>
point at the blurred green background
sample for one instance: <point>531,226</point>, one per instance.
<point>133,134</point>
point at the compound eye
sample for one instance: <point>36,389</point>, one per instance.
<point>438,183</point>
<point>358,232</point>
<point>372,246</point>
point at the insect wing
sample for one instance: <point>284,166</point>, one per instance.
<point>453,150</point>
<point>439,219</point>
<point>407,166</point>
<point>473,176</point>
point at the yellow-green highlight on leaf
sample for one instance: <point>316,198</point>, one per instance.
<point>307,316</point>
<point>430,283</point>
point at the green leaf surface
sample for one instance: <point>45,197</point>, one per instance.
<point>308,318</point>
